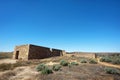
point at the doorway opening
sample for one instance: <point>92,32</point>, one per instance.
<point>17,54</point>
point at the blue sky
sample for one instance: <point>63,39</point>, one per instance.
<point>72,25</point>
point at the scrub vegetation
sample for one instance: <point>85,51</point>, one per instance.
<point>59,68</point>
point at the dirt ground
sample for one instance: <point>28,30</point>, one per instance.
<point>81,72</point>
<point>84,71</point>
<point>7,61</point>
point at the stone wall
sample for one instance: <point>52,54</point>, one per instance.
<point>26,52</point>
<point>56,52</point>
<point>63,53</point>
<point>78,54</point>
<point>21,52</point>
<point>38,52</point>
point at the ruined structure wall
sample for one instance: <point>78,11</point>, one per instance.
<point>22,52</point>
<point>88,55</point>
<point>56,52</point>
<point>63,53</point>
<point>26,52</point>
<point>37,52</point>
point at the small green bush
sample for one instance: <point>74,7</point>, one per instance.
<point>116,61</point>
<point>83,61</point>
<point>56,67</point>
<point>40,67</point>
<point>64,63</point>
<point>111,71</point>
<point>46,70</point>
<point>74,63</point>
<point>105,59</point>
<point>93,61</point>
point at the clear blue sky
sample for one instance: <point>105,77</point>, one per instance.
<point>72,25</point>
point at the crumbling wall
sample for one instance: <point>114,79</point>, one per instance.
<point>77,54</point>
<point>21,52</point>
<point>56,52</point>
<point>26,52</point>
<point>63,53</point>
<point>38,52</point>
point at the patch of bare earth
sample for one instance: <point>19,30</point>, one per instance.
<point>19,73</point>
<point>24,73</point>
<point>52,63</point>
<point>7,61</point>
<point>84,71</point>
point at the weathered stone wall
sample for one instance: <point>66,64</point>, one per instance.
<point>56,52</point>
<point>78,54</point>
<point>63,53</point>
<point>22,52</point>
<point>26,52</point>
<point>38,52</point>
<point>102,54</point>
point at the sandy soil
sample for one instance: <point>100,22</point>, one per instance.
<point>52,63</point>
<point>82,72</point>
<point>24,73</point>
<point>19,73</point>
<point>7,61</point>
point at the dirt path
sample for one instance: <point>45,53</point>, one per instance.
<point>108,64</point>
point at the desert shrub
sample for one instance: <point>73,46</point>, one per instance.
<point>105,59</point>
<point>64,63</point>
<point>46,70</point>
<point>111,71</point>
<point>5,66</point>
<point>83,61</point>
<point>56,67</point>
<point>113,59</point>
<point>40,67</point>
<point>93,61</point>
<point>74,63</point>
<point>116,61</point>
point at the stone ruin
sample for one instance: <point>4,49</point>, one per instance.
<point>82,54</point>
<point>29,51</point>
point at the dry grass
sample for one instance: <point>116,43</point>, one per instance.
<point>9,66</point>
<point>4,55</point>
<point>7,75</point>
<point>81,72</point>
<point>25,70</point>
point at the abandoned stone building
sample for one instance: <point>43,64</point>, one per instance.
<point>29,51</point>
